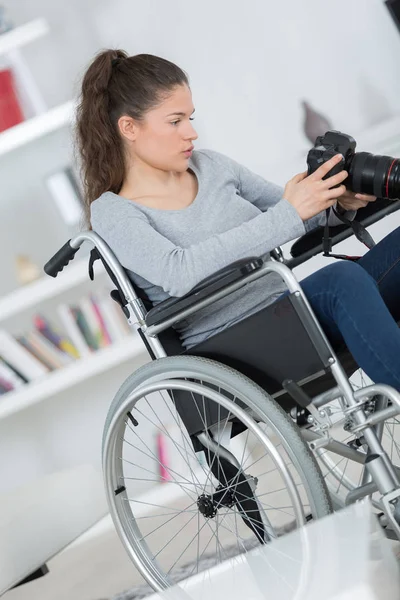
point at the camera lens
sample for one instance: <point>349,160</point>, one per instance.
<point>375,175</point>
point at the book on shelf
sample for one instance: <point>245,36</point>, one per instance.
<point>11,375</point>
<point>84,326</point>
<point>44,350</point>
<point>13,369</point>
<point>24,342</point>
<point>54,336</point>
<point>93,322</point>
<point>107,339</point>
<point>48,347</point>
<point>64,189</point>
<point>10,110</point>
<point>70,325</point>
<point>111,320</point>
<point>5,387</point>
<point>17,355</point>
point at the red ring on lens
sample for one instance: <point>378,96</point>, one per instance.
<point>387,180</point>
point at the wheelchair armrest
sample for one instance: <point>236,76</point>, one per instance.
<point>205,288</point>
<point>310,244</point>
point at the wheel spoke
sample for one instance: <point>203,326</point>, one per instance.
<point>178,446</point>
<point>265,501</point>
<point>166,467</point>
<point>166,522</point>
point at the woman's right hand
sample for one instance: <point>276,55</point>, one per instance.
<point>312,194</point>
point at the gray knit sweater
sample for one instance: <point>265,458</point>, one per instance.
<point>236,214</point>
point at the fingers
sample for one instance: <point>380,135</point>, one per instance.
<point>330,202</point>
<point>365,198</point>
<point>335,179</point>
<point>299,177</point>
<point>335,192</point>
<point>326,167</point>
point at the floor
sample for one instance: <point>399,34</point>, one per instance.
<point>95,569</point>
<point>97,566</point>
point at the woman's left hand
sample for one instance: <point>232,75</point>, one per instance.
<point>352,201</point>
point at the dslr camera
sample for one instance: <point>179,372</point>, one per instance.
<point>368,173</point>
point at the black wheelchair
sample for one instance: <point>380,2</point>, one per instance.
<point>253,432</point>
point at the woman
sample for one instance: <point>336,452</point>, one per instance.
<point>174,215</point>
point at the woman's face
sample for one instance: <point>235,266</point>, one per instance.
<point>166,132</point>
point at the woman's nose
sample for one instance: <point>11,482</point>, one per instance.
<point>193,134</point>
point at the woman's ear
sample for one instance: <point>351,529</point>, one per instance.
<point>127,128</point>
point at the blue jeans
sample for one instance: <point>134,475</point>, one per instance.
<point>358,304</point>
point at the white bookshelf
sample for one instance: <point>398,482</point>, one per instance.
<point>82,369</point>
<point>45,121</point>
<point>36,127</point>
<point>22,35</point>
<point>75,273</point>
<point>28,402</point>
<point>71,375</point>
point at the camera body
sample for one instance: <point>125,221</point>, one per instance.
<point>326,147</point>
<point>367,173</point>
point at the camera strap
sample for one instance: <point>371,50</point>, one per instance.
<point>358,229</point>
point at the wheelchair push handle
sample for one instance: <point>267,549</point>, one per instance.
<point>60,259</point>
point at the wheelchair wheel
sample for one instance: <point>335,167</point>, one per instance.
<point>341,474</point>
<point>235,471</point>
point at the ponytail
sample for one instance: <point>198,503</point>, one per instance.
<point>116,84</point>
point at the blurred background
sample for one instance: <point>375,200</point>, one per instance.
<point>261,72</point>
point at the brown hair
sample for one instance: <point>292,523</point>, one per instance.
<point>116,84</point>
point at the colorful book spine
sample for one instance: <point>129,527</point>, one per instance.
<point>100,319</point>
<point>84,327</point>
<point>13,369</point>
<point>18,356</point>
<point>10,110</point>
<point>74,333</point>
<point>111,320</point>
<point>3,390</point>
<point>10,375</point>
<point>92,323</point>
<point>60,341</point>
<point>32,349</point>
<point>6,384</point>
<point>48,351</point>
<point>96,334</point>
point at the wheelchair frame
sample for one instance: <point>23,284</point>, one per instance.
<point>385,477</point>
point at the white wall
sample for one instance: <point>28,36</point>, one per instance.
<point>250,65</point>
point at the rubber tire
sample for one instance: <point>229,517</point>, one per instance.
<point>198,367</point>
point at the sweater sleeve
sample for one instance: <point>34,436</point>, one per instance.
<point>147,253</point>
<point>264,194</point>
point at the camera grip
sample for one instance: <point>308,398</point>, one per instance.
<point>313,165</point>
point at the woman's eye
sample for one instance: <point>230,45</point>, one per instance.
<point>178,121</point>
